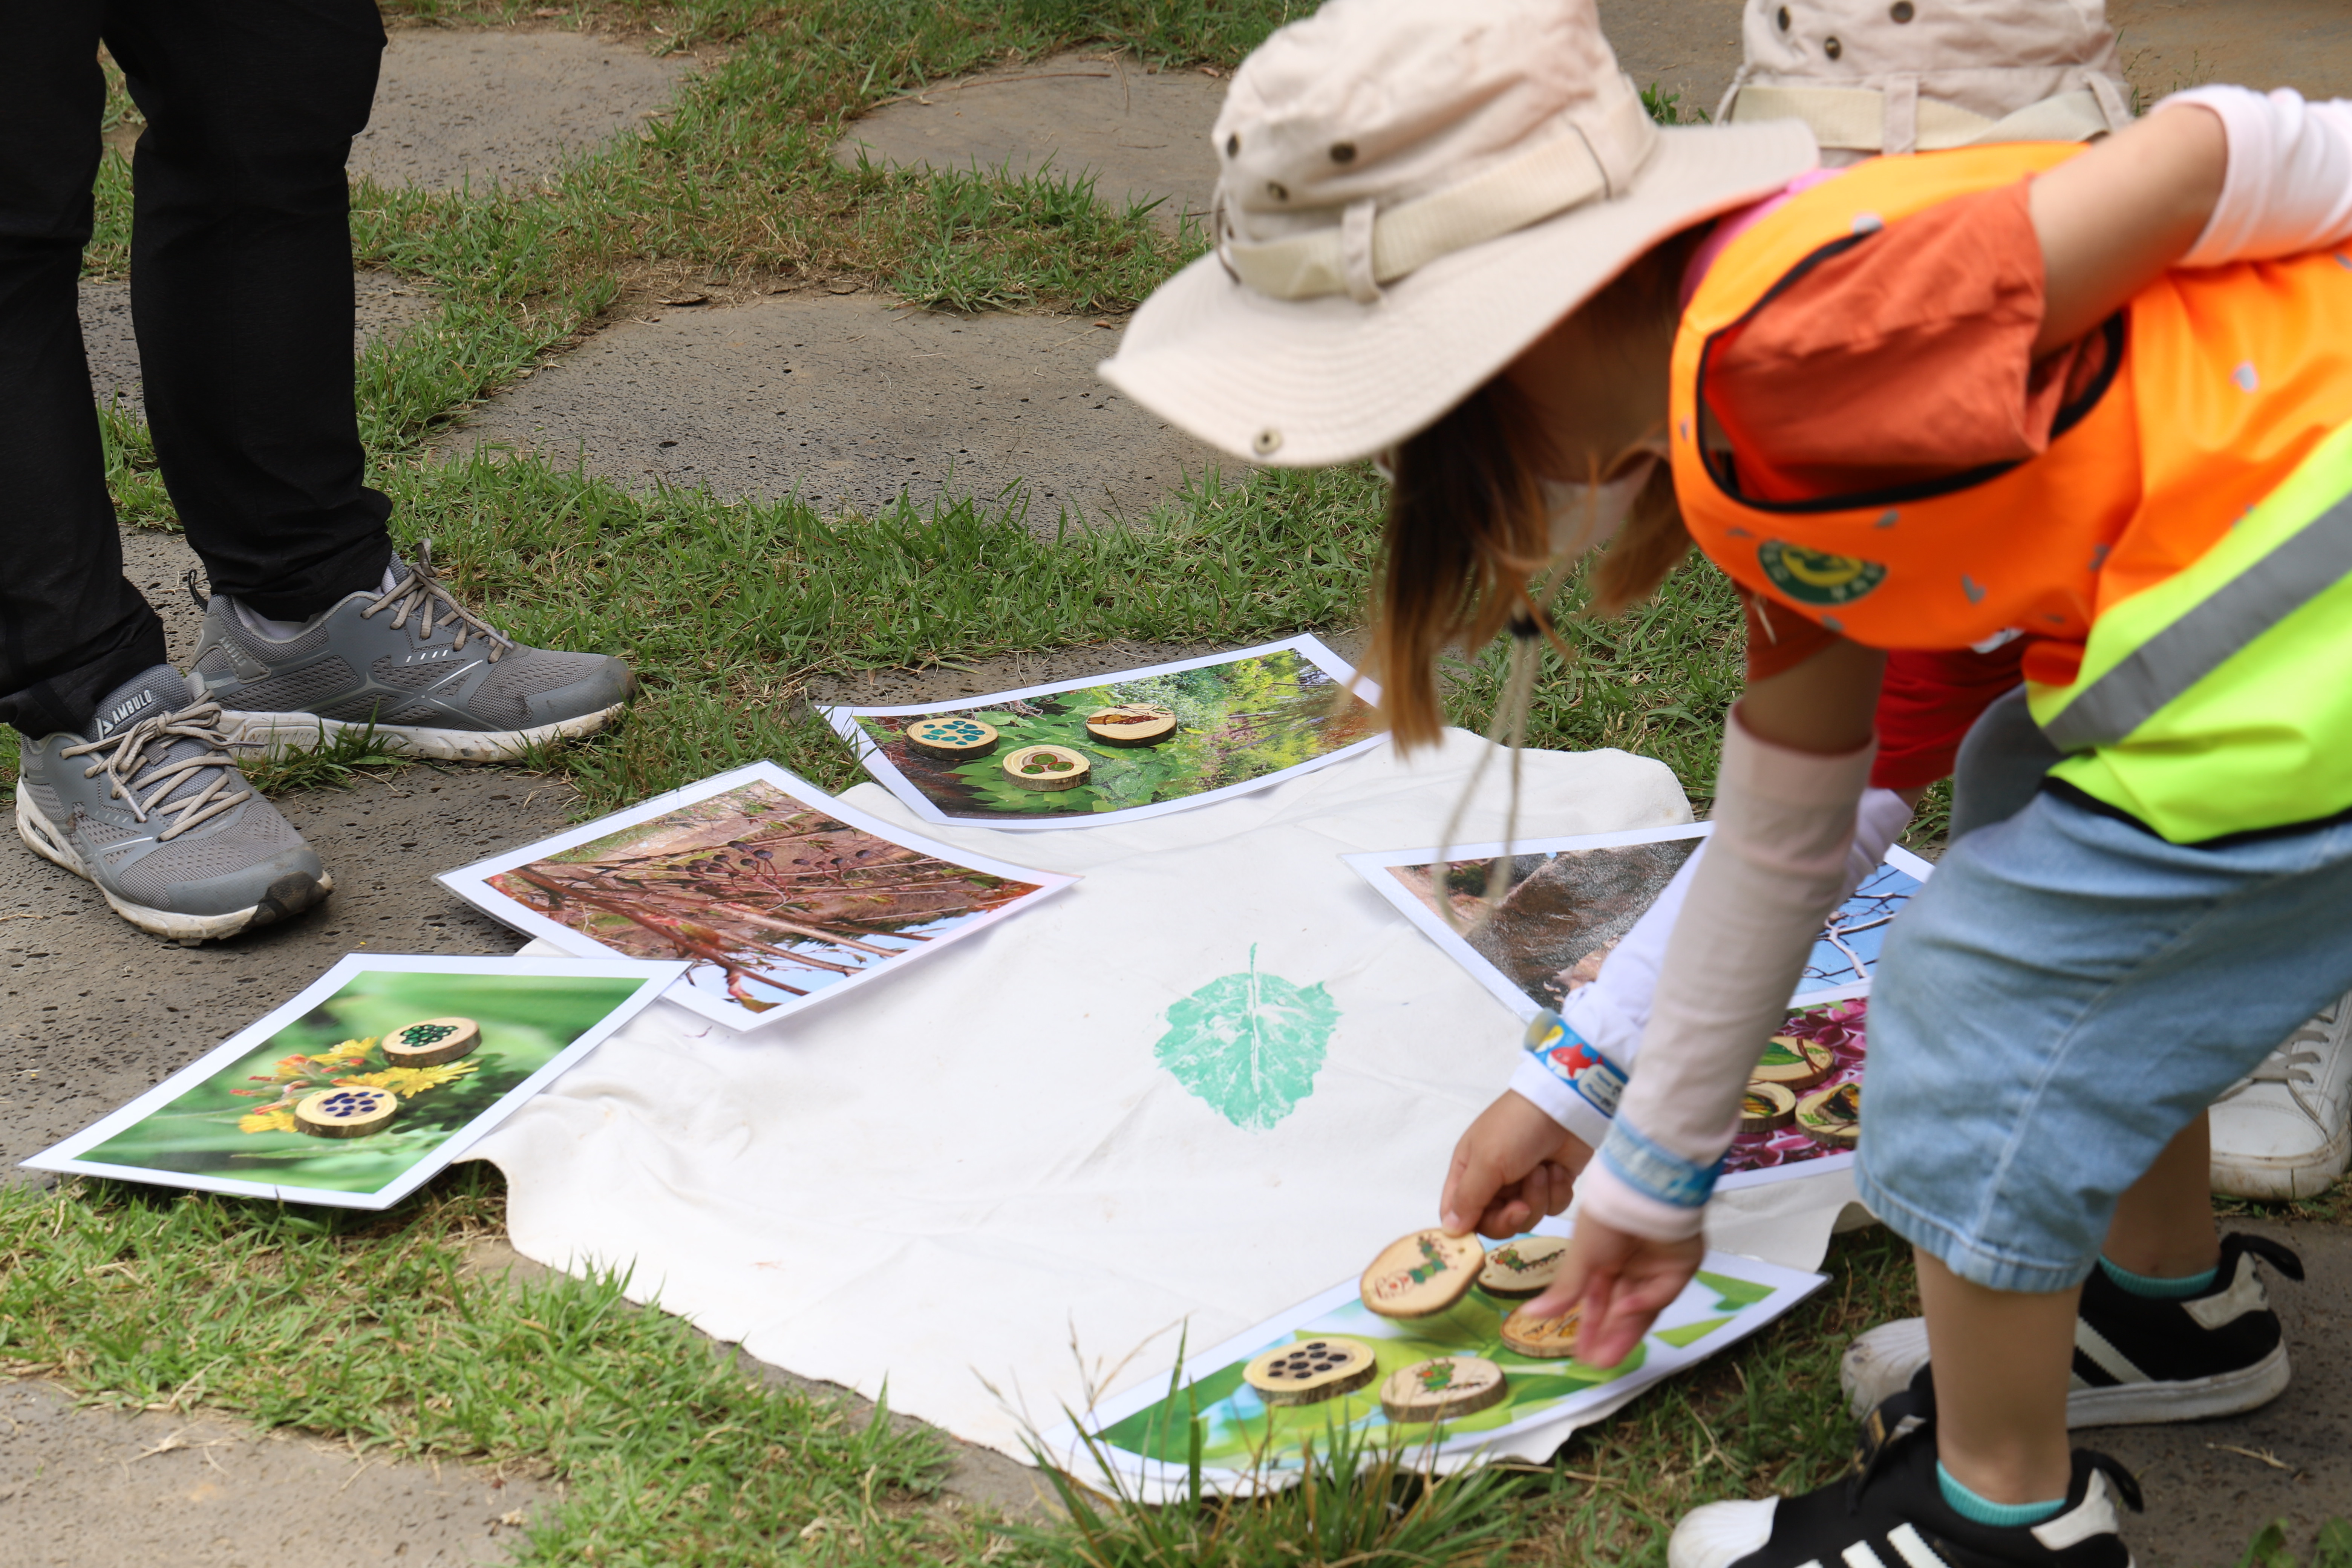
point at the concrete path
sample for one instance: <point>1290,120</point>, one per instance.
<point>850,401</point>
<point>503,107</point>
<point>1142,132</point>
<point>98,1489</point>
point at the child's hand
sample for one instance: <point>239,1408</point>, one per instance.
<point>1513,1166</point>
<point>1622,1281</point>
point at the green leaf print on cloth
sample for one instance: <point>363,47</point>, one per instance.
<point>1249,1044</point>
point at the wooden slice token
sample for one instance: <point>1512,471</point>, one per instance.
<point>1046,767</point>
<point>429,1042</point>
<point>1132,725</point>
<point>1519,1269</point>
<point>949,738</point>
<point>1443,1388</point>
<point>345,1112</point>
<point>1795,1065</point>
<point>1549,1338</point>
<point>1423,1273</point>
<point>1832,1117</point>
<point>1311,1371</point>
<point>1767,1108</point>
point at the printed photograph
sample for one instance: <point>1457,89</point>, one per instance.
<point>770,900</point>
<point>370,1083</point>
<point>1154,740</point>
<point>1814,1064</point>
<point>1213,1416</point>
<point>1567,909</point>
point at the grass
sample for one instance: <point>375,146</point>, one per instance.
<point>368,1328</point>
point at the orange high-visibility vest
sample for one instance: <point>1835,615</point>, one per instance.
<point>2220,386</point>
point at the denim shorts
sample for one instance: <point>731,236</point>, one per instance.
<point>2061,998</point>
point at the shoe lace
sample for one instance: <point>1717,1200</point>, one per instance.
<point>421,591</point>
<point>2286,1066</point>
<point>129,768</point>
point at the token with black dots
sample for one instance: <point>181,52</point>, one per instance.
<point>1311,1371</point>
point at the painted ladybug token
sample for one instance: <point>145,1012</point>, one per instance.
<point>949,738</point>
<point>1132,725</point>
<point>1831,1117</point>
<point>431,1041</point>
<point>1422,1273</point>
<point>1766,1108</point>
<point>1443,1388</point>
<point>1795,1065</point>
<point>1519,1269</point>
<point>1311,1371</point>
<point>345,1112</point>
<point>1543,1338</point>
<point>1046,767</point>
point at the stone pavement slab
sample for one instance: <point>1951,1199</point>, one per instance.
<point>503,107</point>
<point>98,1489</point>
<point>849,400</point>
<point>1142,132</point>
<point>2171,44</point>
<point>387,305</point>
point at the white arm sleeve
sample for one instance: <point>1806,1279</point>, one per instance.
<point>2288,188</point>
<point>1777,865</point>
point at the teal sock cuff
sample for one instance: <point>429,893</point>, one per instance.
<point>2157,1290</point>
<point>1968,1505</point>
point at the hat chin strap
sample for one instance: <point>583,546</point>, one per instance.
<point>1589,157</point>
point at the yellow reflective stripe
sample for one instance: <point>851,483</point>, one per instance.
<point>2150,648</point>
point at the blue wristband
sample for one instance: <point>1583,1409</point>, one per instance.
<point>1576,1062</point>
<point>1658,1172</point>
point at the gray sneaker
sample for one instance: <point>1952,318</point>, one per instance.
<point>150,806</point>
<point>430,677</point>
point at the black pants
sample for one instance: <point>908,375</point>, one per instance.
<point>241,295</point>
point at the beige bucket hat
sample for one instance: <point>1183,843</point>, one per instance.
<point>1917,76</point>
<point>1412,192</point>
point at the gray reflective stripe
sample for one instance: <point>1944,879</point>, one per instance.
<point>2196,645</point>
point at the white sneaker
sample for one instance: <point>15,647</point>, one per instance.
<point>2284,1130</point>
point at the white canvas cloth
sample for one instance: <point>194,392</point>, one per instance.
<point>956,1175</point>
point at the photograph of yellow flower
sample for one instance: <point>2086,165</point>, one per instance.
<point>367,1083</point>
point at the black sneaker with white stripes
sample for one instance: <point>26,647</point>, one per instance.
<point>2136,1360</point>
<point>1891,1513</point>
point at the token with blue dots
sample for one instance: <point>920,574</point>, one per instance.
<point>348,1112</point>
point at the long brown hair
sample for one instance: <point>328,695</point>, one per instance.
<point>1467,522</point>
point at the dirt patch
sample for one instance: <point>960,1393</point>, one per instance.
<point>387,305</point>
<point>98,1489</point>
<point>850,401</point>
<point>1688,48</point>
<point>1142,133</point>
<point>505,108</point>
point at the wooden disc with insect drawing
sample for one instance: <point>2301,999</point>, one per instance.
<point>429,1042</point>
<point>1311,1371</point>
<point>1046,767</point>
<point>1831,1117</point>
<point>1795,1065</point>
<point>1132,725</point>
<point>1548,1338</point>
<point>1519,1269</point>
<point>1443,1388</point>
<point>1766,1108</point>
<point>345,1112</point>
<point>949,738</point>
<point>1426,1272</point>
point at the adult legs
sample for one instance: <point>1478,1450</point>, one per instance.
<point>241,285</point>
<point>72,629</point>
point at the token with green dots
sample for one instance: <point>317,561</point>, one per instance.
<point>429,1042</point>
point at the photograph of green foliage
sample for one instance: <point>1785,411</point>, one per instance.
<point>1240,721</point>
<point>368,1082</point>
